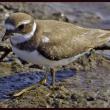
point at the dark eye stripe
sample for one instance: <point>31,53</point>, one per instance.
<point>21,27</point>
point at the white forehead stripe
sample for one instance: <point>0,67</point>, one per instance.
<point>24,22</point>
<point>45,39</point>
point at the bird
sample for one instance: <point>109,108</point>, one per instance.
<point>50,43</point>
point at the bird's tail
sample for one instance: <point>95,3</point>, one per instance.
<point>103,37</point>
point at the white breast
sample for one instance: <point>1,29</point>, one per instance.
<point>32,57</point>
<point>36,58</point>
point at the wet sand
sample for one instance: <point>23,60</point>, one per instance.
<point>83,83</point>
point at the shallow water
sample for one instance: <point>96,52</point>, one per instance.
<point>12,83</point>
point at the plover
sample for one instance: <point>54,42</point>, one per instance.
<point>50,43</point>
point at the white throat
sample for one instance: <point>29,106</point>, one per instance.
<point>19,38</point>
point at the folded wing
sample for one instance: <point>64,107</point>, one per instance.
<point>62,40</point>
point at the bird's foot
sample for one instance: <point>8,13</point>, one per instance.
<point>43,81</point>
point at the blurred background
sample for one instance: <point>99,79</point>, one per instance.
<point>90,14</point>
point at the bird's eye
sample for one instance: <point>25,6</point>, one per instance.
<point>21,27</point>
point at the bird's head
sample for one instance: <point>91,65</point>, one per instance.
<point>19,27</point>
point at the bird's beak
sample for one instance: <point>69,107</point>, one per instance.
<point>6,36</point>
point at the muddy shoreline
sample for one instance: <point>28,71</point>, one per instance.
<point>83,83</point>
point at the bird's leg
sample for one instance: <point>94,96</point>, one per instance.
<point>52,71</point>
<point>46,74</point>
<point>45,79</point>
<point>54,87</point>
